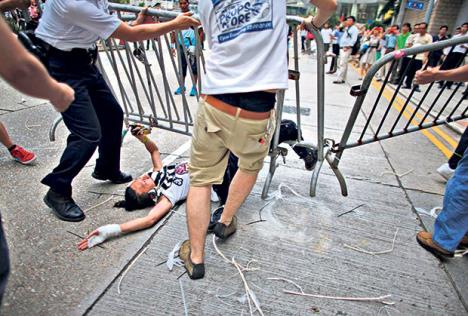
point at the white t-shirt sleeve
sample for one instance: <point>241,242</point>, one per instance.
<point>89,17</point>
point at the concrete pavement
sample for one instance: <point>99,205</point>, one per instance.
<point>302,239</point>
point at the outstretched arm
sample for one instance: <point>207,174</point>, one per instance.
<point>104,233</point>
<point>140,132</point>
<point>325,9</point>
<point>26,74</point>
<point>435,74</point>
<point>150,31</point>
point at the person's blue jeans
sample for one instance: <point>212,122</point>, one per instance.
<point>452,223</point>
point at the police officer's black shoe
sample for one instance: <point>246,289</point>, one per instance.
<point>63,207</point>
<point>119,178</point>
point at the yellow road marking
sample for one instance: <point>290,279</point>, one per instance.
<point>450,140</point>
<point>407,114</point>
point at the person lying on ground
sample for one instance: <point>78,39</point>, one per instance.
<point>162,189</point>
<point>451,225</point>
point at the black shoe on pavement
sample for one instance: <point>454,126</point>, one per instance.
<point>406,87</point>
<point>338,81</point>
<point>417,89</point>
<point>224,232</point>
<point>215,217</point>
<point>118,178</point>
<point>311,159</point>
<point>194,271</point>
<point>63,207</point>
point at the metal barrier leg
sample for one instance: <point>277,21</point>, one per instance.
<point>315,176</point>
<point>53,128</point>
<point>274,153</point>
<point>339,175</point>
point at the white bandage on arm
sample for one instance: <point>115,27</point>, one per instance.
<point>105,232</point>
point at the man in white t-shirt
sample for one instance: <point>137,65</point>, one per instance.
<point>247,65</point>
<point>347,41</point>
<point>69,30</point>
<point>455,56</point>
<point>420,38</point>
<point>326,32</point>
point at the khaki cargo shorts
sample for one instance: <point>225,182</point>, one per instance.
<point>216,133</point>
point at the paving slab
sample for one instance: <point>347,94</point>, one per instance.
<point>301,240</point>
<point>49,275</point>
<point>14,101</point>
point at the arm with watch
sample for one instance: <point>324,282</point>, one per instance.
<point>325,9</point>
<point>141,133</point>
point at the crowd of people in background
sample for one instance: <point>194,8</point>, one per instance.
<point>364,45</point>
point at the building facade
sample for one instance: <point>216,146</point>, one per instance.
<point>452,13</point>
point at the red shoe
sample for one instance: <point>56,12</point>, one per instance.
<point>22,155</point>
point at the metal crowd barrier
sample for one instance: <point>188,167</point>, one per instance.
<point>392,113</point>
<point>144,85</point>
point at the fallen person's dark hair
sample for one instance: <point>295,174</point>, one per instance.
<point>133,201</point>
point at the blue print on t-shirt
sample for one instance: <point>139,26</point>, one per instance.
<point>235,17</point>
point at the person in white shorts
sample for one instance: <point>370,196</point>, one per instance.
<point>162,188</point>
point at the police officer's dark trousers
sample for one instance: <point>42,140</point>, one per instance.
<point>94,120</point>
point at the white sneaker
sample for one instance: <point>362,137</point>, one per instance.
<point>445,171</point>
<point>214,196</point>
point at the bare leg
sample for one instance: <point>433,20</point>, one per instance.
<point>4,137</point>
<point>239,189</point>
<point>198,218</point>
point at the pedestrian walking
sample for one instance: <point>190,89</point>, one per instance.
<point>188,40</point>
<point>347,42</point>
<point>336,37</point>
<point>326,33</point>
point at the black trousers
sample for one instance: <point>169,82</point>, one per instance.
<point>334,61</point>
<point>452,61</point>
<point>193,63</point>
<point>4,262</point>
<point>459,151</point>
<point>94,120</point>
<point>403,65</point>
<point>413,66</point>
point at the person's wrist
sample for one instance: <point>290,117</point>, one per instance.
<point>315,23</point>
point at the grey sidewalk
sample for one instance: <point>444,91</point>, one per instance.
<point>301,240</point>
